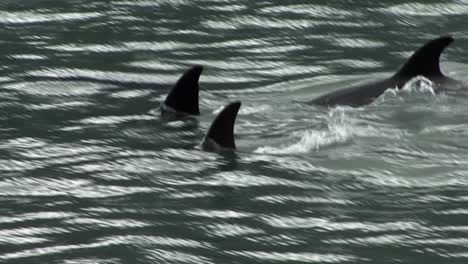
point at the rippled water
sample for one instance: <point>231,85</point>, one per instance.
<point>89,173</point>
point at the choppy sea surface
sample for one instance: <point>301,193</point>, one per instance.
<point>89,173</point>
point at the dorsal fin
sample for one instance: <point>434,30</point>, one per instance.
<point>184,95</point>
<point>221,131</point>
<point>425,60</point>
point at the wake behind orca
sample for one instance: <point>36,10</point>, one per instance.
<point>423,62</point>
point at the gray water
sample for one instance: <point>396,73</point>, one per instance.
<point>89,173</point>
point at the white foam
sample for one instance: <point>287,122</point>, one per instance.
<point>310,140</point>
<point>340,130</point>
<point>419,84</point>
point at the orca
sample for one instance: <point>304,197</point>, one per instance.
<point>182,100</point>
<point>423,62</point>
<point>220,135</point>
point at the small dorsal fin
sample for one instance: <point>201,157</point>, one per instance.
<point>221,131</point>
<point>184,95</point>
<point>425,60</point>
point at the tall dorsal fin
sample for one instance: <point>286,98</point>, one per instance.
<point>425,60</point>
<point>184,95</point>
<point>221,131</point>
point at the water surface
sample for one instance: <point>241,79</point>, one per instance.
<point>89,173</point>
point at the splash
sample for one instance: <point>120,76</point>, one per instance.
<point>340,129</point>
<point>419,84</point>
<point>310,140</point>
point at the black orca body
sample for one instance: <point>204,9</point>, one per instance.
<point>423,62</point>
<point>183,98</point>
<point>220,135</point>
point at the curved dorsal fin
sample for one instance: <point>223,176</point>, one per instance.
<point>184,95</point>
<point>221,131</point>
<point>425,60</point>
